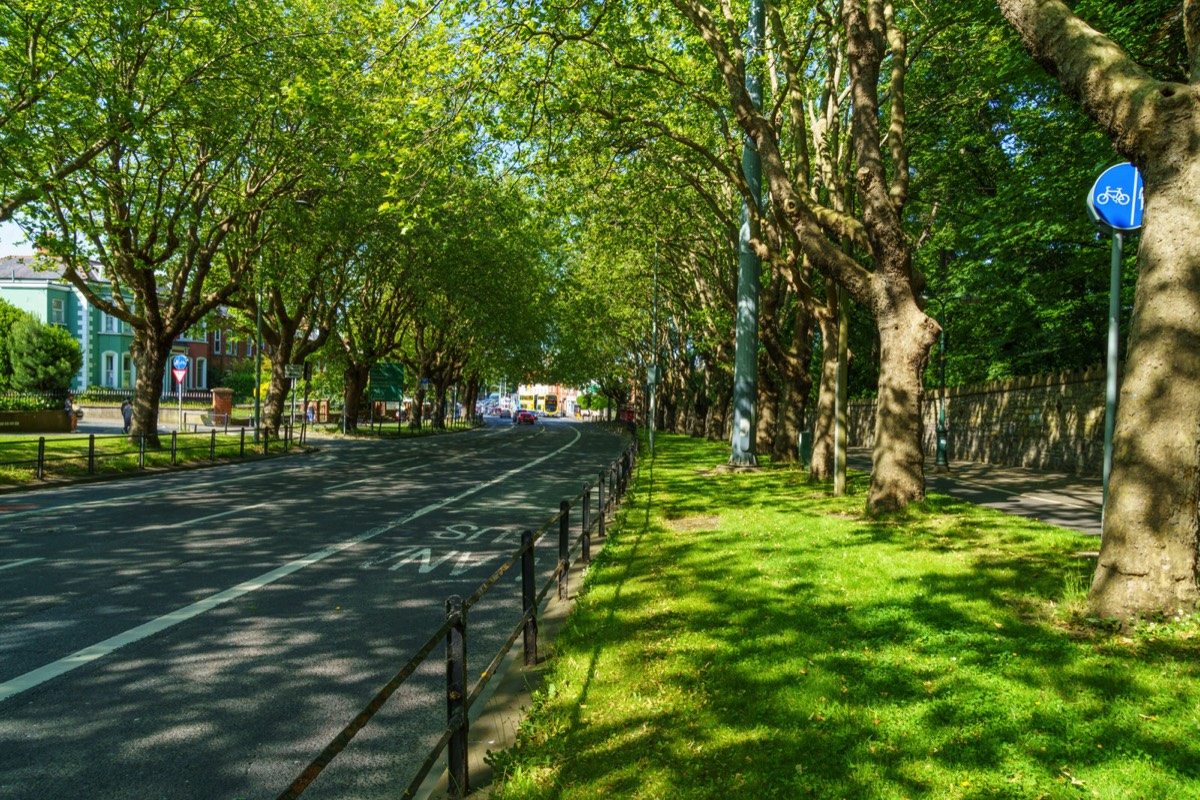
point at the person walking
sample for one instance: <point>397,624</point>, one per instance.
<point>126,415</point>
<point>72,412</point>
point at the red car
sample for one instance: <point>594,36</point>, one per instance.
<point>525,416</point>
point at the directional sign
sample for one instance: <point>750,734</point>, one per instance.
<point>387,381</point>
<point>179,368</point>
<point>1116,198</point>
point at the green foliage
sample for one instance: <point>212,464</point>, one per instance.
<point>44,357</point>
<point>9,315</point>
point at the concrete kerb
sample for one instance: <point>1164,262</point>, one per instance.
<point>502,706</point>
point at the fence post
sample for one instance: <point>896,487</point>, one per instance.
<point>528,595</point>
<point>242,444</point>
<point>91,454</point>
<point>142,452</point>
<point>456,696</point>
<point>600,508</point>
<point>212,445</point>
<point>586,552</point>
<point>173,446</point>
<point>41,462</point>
<point>564,547</point>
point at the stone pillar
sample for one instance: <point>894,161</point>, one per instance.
<point>222,405</point>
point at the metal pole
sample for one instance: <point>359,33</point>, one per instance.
<point>258,352</point>
<point>528,597</point>
<point>941,457</point>
<point>1110,392</point>
<point>654,357</point>
<point>456,696</point>
<point>564,547</point>
<point>745,373</point>
<point>840,437</point>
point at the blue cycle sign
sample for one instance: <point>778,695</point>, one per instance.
<point>1116,198</point>
<point>179,368</point>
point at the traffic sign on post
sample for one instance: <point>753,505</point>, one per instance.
<point>179,368</point>
<point>1116,198</point>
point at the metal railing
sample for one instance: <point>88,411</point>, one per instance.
<point>454,631</point>
<point>71,456</point>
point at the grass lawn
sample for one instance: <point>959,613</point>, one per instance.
<point>751,636</point>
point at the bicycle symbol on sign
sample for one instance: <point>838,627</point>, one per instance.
<point>1114,194</point>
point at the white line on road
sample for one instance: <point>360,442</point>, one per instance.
<point>22,563</point>
<point>87,655</point>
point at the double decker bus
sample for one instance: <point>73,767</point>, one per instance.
<point>550,404</point>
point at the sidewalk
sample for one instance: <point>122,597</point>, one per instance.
<point>1069,501</point>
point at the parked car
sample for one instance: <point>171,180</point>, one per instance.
<point>505,414</point>
<point>525,416</point>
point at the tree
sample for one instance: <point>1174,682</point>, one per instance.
<point>9,316</point>
<point>45,358</point>
<point>1148,555</point>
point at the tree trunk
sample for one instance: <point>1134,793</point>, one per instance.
<point>1148,553</point>
<point>898,461</point>
<point>768,405</point>
<point>356,383</point>
<point>824,428</point>
<point>150,357</point>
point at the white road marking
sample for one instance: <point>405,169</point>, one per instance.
<point>22,563</point>
<point>87,655</point>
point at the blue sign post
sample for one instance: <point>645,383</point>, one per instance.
<point>179,370</point>
<point>1115,204</point>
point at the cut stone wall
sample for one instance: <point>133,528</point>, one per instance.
<point>1047,422</point>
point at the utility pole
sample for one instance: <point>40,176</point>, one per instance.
<point>745,370</point>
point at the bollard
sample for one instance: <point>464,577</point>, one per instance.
<point>173,434</point>
<point>242,444</point>
<point>456,696</point>
<point>142,452</point>
<point>287,436</point>
<point>265,439</point>
<point>212,445</point>
<point>528,597</point>
<point>586,551</point>
<point>91,454</point>
<point>600,509</point>
<point>564,547</point>
<point>41,462</point>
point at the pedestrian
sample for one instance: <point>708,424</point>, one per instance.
<point>127,415</point>
<point>72,412</point>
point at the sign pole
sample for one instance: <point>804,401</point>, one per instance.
<point>1115,212</point>
<point>1110,390</point>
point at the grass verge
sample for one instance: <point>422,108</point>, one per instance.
<point>749,635</point>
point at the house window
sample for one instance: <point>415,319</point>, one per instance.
<point>228,343</point>
<point>126,369</point>
<point>111,323</point>
<point>58,311</point>
<point>201,373</point>
<point>217,340</point>
<point>108,370</point>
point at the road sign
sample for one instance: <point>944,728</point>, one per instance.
<point>387,381</point>
<point>293,371</point>
<point>179,368</point>
<point>1116,198</point>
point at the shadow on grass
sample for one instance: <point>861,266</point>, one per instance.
<point>790,647</point>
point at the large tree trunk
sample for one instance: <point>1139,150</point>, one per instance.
<point>150,357</point>
<point>356,377</point>
<point>1148,553</point>
<point>824,428</point>
<point>898,461</point>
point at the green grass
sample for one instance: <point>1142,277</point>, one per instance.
<point>66,456</point>
<point>751,636</point>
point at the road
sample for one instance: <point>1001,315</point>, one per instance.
<point>205,634</point>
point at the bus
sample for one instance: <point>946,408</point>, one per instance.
<point>550,405</point>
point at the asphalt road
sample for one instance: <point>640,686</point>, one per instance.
<point>205,634</point>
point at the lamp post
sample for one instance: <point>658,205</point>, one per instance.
<point>257,354</point>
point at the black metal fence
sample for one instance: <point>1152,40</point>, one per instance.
<point>454,632</point>
<point>71,456</point>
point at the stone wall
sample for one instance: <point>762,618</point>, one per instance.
<point>1049,422</point>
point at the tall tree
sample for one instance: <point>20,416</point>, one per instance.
<point>1148,556</point>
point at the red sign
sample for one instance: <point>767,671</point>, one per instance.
<point>179,374</point>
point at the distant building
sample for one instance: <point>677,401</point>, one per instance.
<point>35,284</point>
